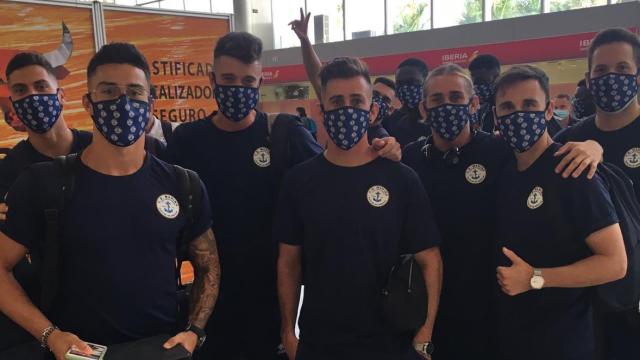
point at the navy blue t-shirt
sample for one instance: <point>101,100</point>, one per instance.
<point>406,126</point>
<point>376,132</point>
<point>236,170</point>
<point>118,248</point>
<point>621,147</point>
<point>24,154</point>
<point>352,224</point>
<point>545,220</point>
<point>464,198</point>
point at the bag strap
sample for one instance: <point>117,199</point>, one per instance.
<point>190,192</point>
<point>167,131</point>
<point>279,127</point>
<point>56,197</point>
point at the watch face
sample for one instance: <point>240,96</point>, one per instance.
<point>537,282</point>
<point>430,348</point>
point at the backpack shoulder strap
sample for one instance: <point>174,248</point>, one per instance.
<point>167,131</point>
<point>57,193</point>
<point>280,126</point>
<point>190,193</point>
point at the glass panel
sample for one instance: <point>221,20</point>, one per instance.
<point>408,15</point>
<point>172,4</point>
<point>126,2</point>
<point>562,5</point>
<point>456,12</point>
<point>505,9</point>
<point>222,6</point>
<point>285,11</point>
<point>198,5</point>
<point>365,17</point>
<point>329,13</point>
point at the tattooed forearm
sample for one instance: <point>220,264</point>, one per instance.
<point>204,257</point>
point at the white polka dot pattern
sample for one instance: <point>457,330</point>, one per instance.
<point>521,130</point>
<point>410,95</point>
<point>614,92</point>
<point>449,120</point>
<point>38,112</point>
<point>346,126</point>
<point>121,121</point>
<point>236,102</point>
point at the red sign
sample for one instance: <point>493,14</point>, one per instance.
<point>515,52</point>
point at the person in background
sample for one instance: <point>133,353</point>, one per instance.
<point>312,65</point>
<point>308,122</point>
<point>557,237</point>
<point>384,91</point>
<point>160,129</point>
<point>563,109</point>
<point>484,70</point>
<point>582,105</point>
<point>343,219</point>
<point>614,60</point>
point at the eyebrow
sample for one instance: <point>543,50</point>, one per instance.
<point>336,98</point>
<point>506,103</point>
<point>250,78</point>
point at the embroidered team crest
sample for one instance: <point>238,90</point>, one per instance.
<point>632,158</point>
<point>476,174</point>
<point>535,199</point>
<point>168,206</point>
<point>378,196</point>
<point>262,157</point>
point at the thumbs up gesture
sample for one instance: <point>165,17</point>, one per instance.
<point>514,279</point>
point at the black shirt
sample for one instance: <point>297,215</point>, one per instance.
<point>406,126</point>
<point>236,170</point>
<point>554,126</point>
<point>464,202</point>
<point>486,118</point>
<point>545,220</point>
<point>24,154</point>
<point>376,132</point>
<point>621,147</point>
<point>118,249</point>
<point>352,224</point>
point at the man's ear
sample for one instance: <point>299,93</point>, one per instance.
<point>61,96</point>
<point>423,109</point>
<point>548,114</point>
<point>86,103</point>
<point>475,104</point>
<point>212,79</point>
<point>373,114</point>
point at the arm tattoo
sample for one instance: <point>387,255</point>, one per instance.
<point>203,254</point>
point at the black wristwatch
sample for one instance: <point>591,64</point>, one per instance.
<point>202,336</point>
<point>426,348</point>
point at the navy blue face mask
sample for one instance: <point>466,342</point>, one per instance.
<point>522,129</point>
<point>121,121</point>
<point>236,102</point>
<point>614,92</point>
<point>346,125</point>
<point>38,112</point>
<point>383,108</point>
<point>449,120</point>
<point>410,95</point>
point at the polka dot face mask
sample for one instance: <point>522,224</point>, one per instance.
<point>346,126</point>
<point>236,102</point>
<point>522,129</point>
<point>121,121</point>
<point>613,92</point>
<point>410,95</point>
<point>38,112</point>
<point>449,120</point>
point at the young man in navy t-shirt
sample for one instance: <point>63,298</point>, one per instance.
<point>119,229</point>
<point>614,60</point>
<point>557,237</point>
<point>232,152</point>
<point>342,220</point>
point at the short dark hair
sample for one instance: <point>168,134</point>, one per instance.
<point>301,111</point>
<point>153,91</point>
<point>385,81</point>
<point>239,45</point>
<point>564,96</point>
<point>520,73</point>
<point>343,68</point>
<point>484,62</point>
<point>25,59</point>
<point>614,35</point>
<point>119,53</point>
<point>582,83</point>
<point>415,63</point>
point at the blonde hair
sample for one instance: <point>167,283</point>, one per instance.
<point>450,69</point>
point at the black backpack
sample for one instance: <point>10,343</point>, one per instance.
<point>404,298</point>
<point>623,294</point>
<point>279,127</point>
<point>57,185</point>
